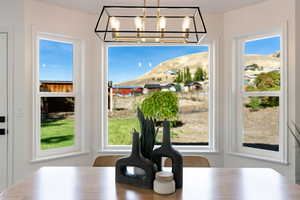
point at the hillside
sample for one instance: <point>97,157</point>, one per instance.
<point>164,72</point>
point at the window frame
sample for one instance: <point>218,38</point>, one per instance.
<point>238,94</point>
<point>104,147</point>
<point>78,147</point>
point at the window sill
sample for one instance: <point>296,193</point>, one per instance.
<point>184,151</point>
<point>244,155</point>
<point>48,158</point>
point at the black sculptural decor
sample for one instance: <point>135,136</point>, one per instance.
<point>135,160</point>
<point>166,150</point>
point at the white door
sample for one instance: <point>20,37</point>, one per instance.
<point>3,112</point>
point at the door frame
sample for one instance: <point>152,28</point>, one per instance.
<point>9,30</point>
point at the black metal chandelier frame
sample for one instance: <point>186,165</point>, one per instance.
<point>106,30</point>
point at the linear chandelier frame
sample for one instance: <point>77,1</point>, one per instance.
<point>109,35</point>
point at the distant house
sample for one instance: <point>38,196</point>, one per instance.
<point>193,86</point>
<point>56,86</point>
<point>148,88</point>
<point>127,90</point>
<point>169,88</point>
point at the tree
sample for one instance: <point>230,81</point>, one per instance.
<point>187,76</point>
<point>179,78</point>
<point>268,81</point>
<point>161,106</point>
<point>199,74</point>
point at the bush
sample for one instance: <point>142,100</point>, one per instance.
<point>161,106</point>
<point>268,81</point>
<point>178,88</point>
<point>265,82</point>
<point>255,103</point>
<point>269,101</point>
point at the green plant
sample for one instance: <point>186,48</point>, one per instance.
<point>179,77</point>
<point>187,75</point>
<point>255,103</point>
<point>250,88</point>
<point>268,81</point>
<point>148,134</point>
<point>199,75</point>
<point>269,101</point>
<point>161,106</point>
<point>178,88</point>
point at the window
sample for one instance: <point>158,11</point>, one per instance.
<point>137,72</point>
<point>57,99</point>
<point>261,108</point>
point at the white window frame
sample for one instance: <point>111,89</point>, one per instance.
<point>238,93</point>
<point>213,146</point>
<point>77,93</point>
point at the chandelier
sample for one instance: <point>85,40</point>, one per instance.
<point>151,24</point>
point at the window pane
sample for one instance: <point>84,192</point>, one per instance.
<point>136,73</point>
<point>261,123</point>
<point>56,66</point>
<point>57,122</point>
<point>262,65</point>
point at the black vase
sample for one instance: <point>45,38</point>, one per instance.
<point>166,150</point>
<point>135,160</point>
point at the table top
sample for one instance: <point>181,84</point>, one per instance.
<point>72,183</point>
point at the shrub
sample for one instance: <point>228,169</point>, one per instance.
<point>269,101</point>
<point>268,81</point>
<point>255,103</point>
<point>250,88</point>
<point>161,106</point>
<point>178,88</point>
<point>265,82</point>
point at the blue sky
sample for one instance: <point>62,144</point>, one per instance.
<point>127,63</point>
<point>263,47</point>
<point>56,61</point>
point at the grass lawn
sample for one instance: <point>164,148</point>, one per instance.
<point>120,130</point>
<point>57,133</point>
<point>60,133</point>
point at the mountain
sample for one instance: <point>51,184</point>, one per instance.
<point>269,61</point>
<point>165,72</point>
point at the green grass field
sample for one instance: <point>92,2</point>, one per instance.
<point>60,133</point>
<point>57,134</point>
<point>120,130</point>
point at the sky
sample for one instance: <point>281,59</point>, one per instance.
<point>263,47</point>
<point>127,63</point>
<point>56,61</point>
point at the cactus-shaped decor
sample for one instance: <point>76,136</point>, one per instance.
<point>148,134</point>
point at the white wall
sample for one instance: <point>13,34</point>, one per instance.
<point>43,17</point>
<point>259,18</point>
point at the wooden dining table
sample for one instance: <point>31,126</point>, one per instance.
<point>72,183</point>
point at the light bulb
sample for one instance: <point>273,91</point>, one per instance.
<point>139,23</point>
<point>186,23</point>
<point>114,23</point>
<point>162,23</point>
